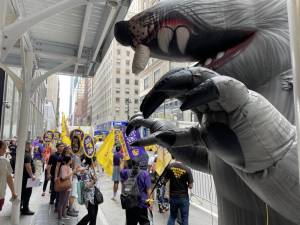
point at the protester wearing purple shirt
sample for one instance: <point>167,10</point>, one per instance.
<point>138,215</point>
<point>38,151</point>
<point>144,183</point>
<point>118,156</point>
<point>38,157</point>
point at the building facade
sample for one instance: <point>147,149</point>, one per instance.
<point>82,109</point>
<point>11,109</point>
<point>51,110</point>
<point>116,89</point>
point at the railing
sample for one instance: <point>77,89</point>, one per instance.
<point>204,187</point>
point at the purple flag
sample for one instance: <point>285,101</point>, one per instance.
<point>133,151</point>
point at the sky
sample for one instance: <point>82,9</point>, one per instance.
<point>64,94</point>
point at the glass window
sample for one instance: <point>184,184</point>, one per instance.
<point>119,52</point>
<point>136,82</point>
<point>146,83</point>
<point>117,80</point>
<point>127,72</point>
<point>127,81</point>
<point>136,91</point>
<point>117,100</point>
<point>156,75</point>
<point>127,62</point>
<point>136,101</point>
<point>118,70</point>
<point>128,53</point>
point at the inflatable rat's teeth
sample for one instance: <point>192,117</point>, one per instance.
<point>208,61</point>
<point>165,36</point>
<point>220,55</point>
<point>183,36</point>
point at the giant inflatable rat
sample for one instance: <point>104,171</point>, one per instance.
<point>246,139</point>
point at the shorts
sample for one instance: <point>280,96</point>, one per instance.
<point>73,192</point>
<point>116,174</point>
<point>1,203</point>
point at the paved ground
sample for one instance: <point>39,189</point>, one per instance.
<point>110,212</point>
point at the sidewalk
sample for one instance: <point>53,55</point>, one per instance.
<point>110,212</point>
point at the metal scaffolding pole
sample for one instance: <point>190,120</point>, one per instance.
<point>27,63</point>
<point>294,24</point>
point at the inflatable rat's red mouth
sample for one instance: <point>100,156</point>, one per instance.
<point>223,57</point>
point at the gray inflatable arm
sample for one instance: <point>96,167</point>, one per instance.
<point>184,144</point>
<point>263,150</point>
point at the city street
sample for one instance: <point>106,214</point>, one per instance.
<point>110,212</point>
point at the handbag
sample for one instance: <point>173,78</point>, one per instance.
<point>98,196</point>
<point>62,185</point>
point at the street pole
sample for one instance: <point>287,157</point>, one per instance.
<point>128,101</point>
<point>294,25</point>
<point>22,134</point>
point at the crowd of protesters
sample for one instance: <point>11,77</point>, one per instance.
<point>151,188</point>
<point>55,164</point>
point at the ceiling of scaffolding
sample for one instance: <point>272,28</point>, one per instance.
<point>76,31</point>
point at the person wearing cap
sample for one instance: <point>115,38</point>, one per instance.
<point>51,170</point>
<point>117,159</point>
<point>28,172</point>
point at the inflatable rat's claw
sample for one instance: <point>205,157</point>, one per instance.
<point>175,84</point>
<point>219,93</point>
<point>163,138</point>
<point>203,94</point>
<point>138,121</point>
<point>154,125</point>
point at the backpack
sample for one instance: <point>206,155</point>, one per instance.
<point>130,196</point>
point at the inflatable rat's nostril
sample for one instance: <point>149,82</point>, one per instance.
<point>122,33</point>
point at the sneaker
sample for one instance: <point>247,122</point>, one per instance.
<point>51,203</point>
<point>72,214</point>
<point>60,222</point>
<point>27,213</point>
<point>65,217</point>
<point>74,210</point>
<point>113,198</point>
<point>43,194</point>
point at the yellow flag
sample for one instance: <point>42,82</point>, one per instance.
<point>150,148</point>
<point>105,154</point>
<point>163,159</point>
<point>65,136</point>
<point>123,145</point>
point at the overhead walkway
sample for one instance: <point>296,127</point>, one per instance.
<point>44,37</point>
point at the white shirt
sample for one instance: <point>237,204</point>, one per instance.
<point>98,145</point>
<point>5,170</point>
